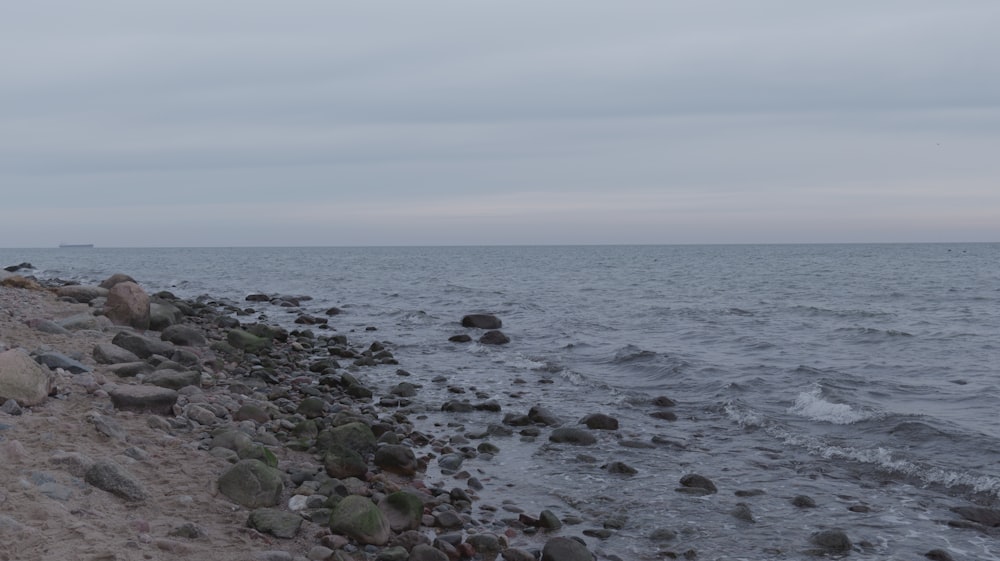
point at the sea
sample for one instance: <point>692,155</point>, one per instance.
<point>864,376</point>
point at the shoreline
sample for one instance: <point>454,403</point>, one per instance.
<point>279,379</point>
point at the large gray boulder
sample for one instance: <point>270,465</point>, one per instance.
<point>358,518</point>
<point>184,335</point>
<point>252,483</point>
<point>107,353</point>
<point>22,379</point>
<point>143,347</point>
<point>173,379</point>
<point>163,314</point>
<point>128,304</point>
<point>58,360</point>
<point>151,399</point>
<point>278,523</point>
<point>565,549</point>
<point>81,293</point>
<point>111,477</point>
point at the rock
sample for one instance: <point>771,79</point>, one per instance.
<point>396,459</point>
<point>803,501</point>
<point>663,401</point>
<point>312,407</point>
<point>278,523</point>
<point>342,462</point>
<point>451,462</point>
<point>482,321</point>
<point>142,347</point>
<point>461,338</point>
<point>695,484</point>
<point>81,293</point>
<point>831,541</point>
<point>620,468</point>
<point>107,353</point>
<point>565,549</point>
<point>115,279</point>
<point>17,281</point>
<point>358,518</point>
<point>742,512</point>
<point>246,341</point>
<point>424,552</point>
<point>403,511</point>
<point>487,546</point>
<point>251,412</point>
<point>11,407</point>
<point>600,421</point>
<point>184,335</point>
<point>151,399</point>
<point>201,415</point>
<point>58,360</point>
<point>48,326</point>
<point>173,379</point>
<point>111,477</point>
<point>548,520</point>
<point>188,530</point>
<point>78,322</point>
<point>939,555</point>
<point>252,483</point>
<point>543,416</point>
<point>355,436</point>
<point>980,515</point>
<point>24,265</point>
<point>570,435</point>
<point>22,379</point>
<point>663,535</point>
<point>128,304</point>
<point>163,314</point>
<point>130,369</point>
<point>494,338</point>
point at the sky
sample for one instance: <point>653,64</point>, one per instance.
<point>262,123</point>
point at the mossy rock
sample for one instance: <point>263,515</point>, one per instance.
<point>355,436</point>
<point>359,519</point>
<point>403,510</point>
<point>252,483</point>
<point>247,341</point>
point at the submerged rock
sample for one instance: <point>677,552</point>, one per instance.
<point>482,321</point>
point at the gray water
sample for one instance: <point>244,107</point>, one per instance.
<point>855,374</point>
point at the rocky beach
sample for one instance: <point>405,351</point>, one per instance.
<point>141,426</point>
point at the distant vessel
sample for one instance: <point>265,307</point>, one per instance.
<point>76,245</point>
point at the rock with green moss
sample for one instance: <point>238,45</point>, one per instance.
<point>355,436</point>
<point>252,483</point>
<point>358,518</point>
<point>341,462</point>
<point>403,511</point>
<point>247,341</point>
<point>278,523</point>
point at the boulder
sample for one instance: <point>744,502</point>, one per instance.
<point>341,462</point>
<point>565,549</point>
<point>278,523</point>
<point>695,484</point>
<point>163,314</point>
<point>246,341</point>
<point>403,511</point>
<point>22,379</point>
<point>184,335</point>
<point>111,477</point>
<point>47,326</point>
<point>115,279</point>
<point>173,379</point>
<point>831,541</point>
<point>58,360</point>
<point>143,347</point>
<point>600,421</point>
<point>494,338</point>
<point>22,266</point>
<point>541,415</point>
<point>355,436</point>
<point>130,369</point>
<point>980,515</point>
<point>570,435</point>
<point>424,552</point>
<point>358,518</point>
<point>107,353</point>
<point>85,321</point>
<point>252,483</point>
<point>396,458</point>
<point>128,304</point>
<point>461,338</point>
<point>482,321</point>
<point>151,399</point>
<point>81,293</point>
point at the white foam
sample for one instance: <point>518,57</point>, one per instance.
<point>811,405</point>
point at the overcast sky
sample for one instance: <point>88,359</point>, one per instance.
<point>220,123</point>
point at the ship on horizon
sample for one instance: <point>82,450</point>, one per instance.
<point>76,245</point>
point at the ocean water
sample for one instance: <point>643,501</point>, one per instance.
<point>864,376</point>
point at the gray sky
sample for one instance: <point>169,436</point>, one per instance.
<point>192,123</point>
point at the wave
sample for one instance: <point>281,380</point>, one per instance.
<point>816,311</point>
<point>812,406</point>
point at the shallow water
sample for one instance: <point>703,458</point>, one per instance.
<point>856,374</point>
